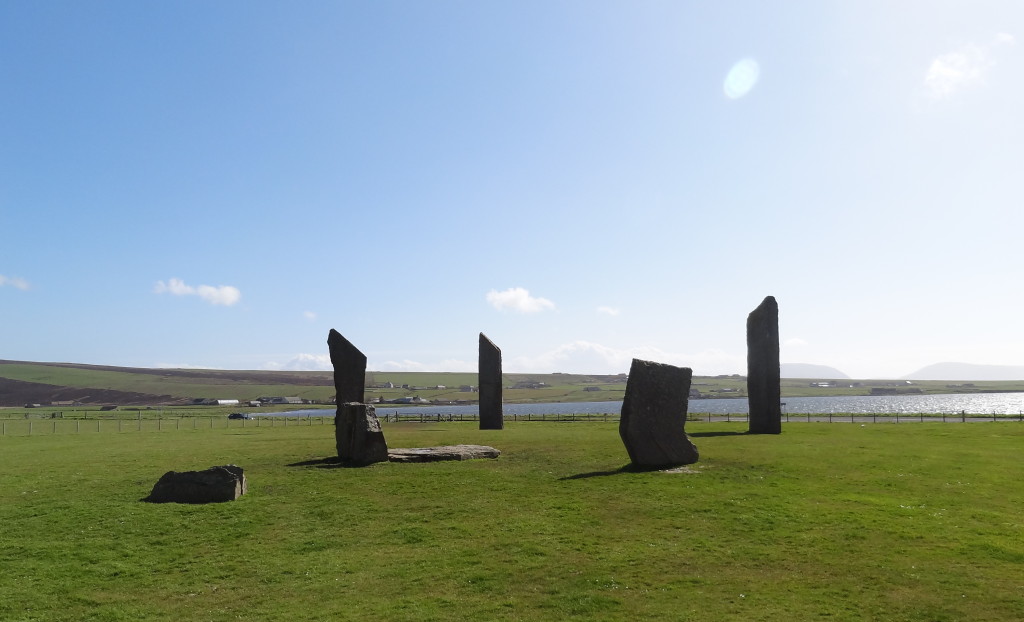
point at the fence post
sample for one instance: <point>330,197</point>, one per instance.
<point>897,417</point>
<point>54,426</point>
<point>30,427</point>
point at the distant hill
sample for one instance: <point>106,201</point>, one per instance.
<point>805,370</point>
<point>967,371</point>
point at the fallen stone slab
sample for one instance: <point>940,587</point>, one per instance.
<point>214,485</point>
<point>437,454</point>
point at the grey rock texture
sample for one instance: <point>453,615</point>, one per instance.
<point>448,452</point>
<point>349,368</point>
<point>653,419</point>
<point>489,371</point>
<point>357,435</point>
<point>214,485</point>
<point>764,389</point>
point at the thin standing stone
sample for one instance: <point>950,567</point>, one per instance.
<point>764,390</point>
<point>349,369</point>
<point>489,371</point>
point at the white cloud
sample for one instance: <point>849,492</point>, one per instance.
<point>302,362</point>
<point>225,295</point>
<point>518,299</point>
<point>794,342</point>
<point>608,311</point>
<point>14,282</point>
<point>951,73</point>
<point>584,357</point>
<point>407,365</point>
<point>309,315</point>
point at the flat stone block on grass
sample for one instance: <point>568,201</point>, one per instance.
<point>437,454</point>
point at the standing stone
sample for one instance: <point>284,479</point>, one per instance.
<point>357,435</point>
<point>214,485</point>
<point>764,390</point>
<point>653,419</point>
<point>489,372</point>
<point>349,369</point>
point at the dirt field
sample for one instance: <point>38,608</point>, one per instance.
<point>19,393</point>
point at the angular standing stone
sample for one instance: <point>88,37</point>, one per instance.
<point>349,369</point>
<point>764,390</point>
<point>357,435</point>
<point>214,485</point>
<point>653,419</point>
<point>489,371</point>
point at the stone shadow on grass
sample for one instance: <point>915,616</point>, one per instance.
<point>710,434</point>
<point>629,468</point>
<point>331,462</point>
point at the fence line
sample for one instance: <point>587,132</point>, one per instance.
<point>35,427</point>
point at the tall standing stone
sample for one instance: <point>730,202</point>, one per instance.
<point>653,419</point>
<point>764,390</point>
<point>489,372</point>
<point>357,435</point>
<point>349,369</point>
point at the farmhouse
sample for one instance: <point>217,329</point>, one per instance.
<point>208,401</point>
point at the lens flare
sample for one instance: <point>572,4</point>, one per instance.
<point>741,78</point>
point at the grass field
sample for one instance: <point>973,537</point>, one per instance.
<point>845,522</point>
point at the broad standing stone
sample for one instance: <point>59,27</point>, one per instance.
<point>214,485</point>
<point>357,435</point>
<point>489,372</point>
<point>349,369</point>
<point>653,419</point>
<point>763,385</point>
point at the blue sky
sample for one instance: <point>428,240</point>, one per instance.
<point>197,184</point>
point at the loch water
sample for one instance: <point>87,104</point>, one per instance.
<point>952,404</point>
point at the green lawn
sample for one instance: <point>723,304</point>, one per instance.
<point>845,522</point>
